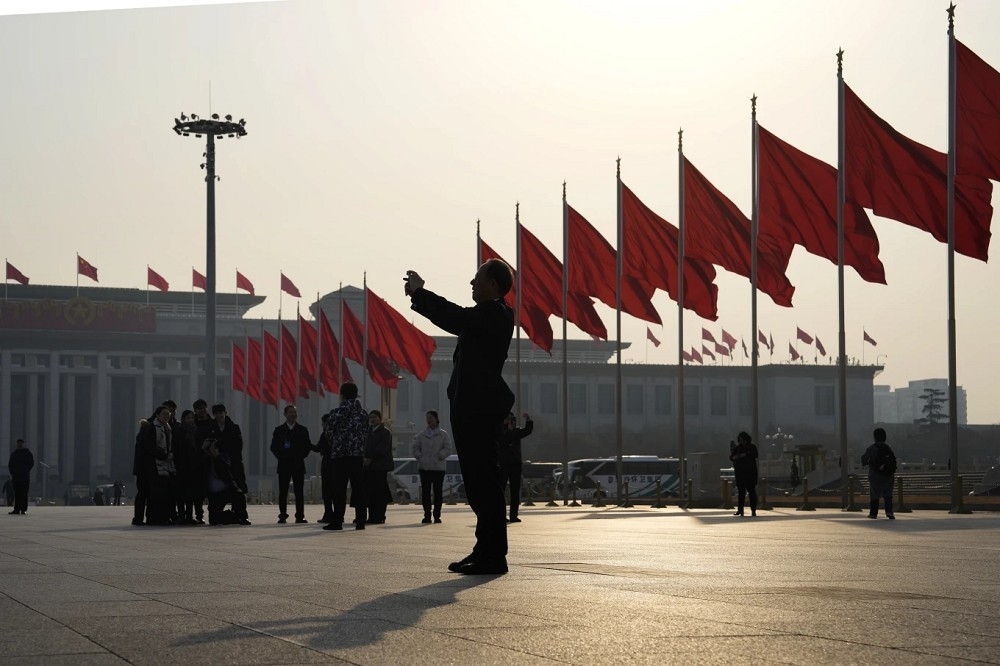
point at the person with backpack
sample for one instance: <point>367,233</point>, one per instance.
<point>881,463</point>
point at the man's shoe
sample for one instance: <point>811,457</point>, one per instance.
<point>753,513</point>
<point>437,520</point>
<point>245,522</point>
<point>13,513</point>
<point>484,568</point>
<point>333,526</point>
<point>890,516</point>
<point>426,520</point>
<point>137,523</point>
<point>299,521</point>
<point>515,519</point>
<point>738,513</point>
<point>199,521</point>
<point>873,516</point>
<point>456,566</point>
<point>282,521</point>
<point>359,526</point>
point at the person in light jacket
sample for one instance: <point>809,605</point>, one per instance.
<point>430,448</point>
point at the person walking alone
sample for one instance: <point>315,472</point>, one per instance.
<point>19,465</point>
<point>744,457</point>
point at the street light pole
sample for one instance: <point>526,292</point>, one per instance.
<point>210,128</point>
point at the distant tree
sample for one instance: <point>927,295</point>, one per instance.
<point>933,408</point>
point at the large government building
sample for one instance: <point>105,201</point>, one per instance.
<point>80,367</point>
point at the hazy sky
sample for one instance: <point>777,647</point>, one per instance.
<point>379,131</point>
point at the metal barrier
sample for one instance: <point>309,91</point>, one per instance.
<point>552,497</point>
<point>960,507</point>
<point>805,506</point>
<point>727,494</point>
<point>762,502</point>
<point>851,505</point>
<point>900,505</point>
<point>528,501</point>
<point>658,504</point>
<point>627,504</point>
<point>451,496</point>
<point>598,496</point>
<point>574,502</point>
<point>690,495</point>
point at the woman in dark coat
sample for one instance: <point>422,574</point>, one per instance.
<point>744,457</point>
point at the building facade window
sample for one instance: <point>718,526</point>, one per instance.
<point>745,398</point>
<point>692,400</point>
<point>430,396</point>
<point>605,399</point>
<point>824,400</point>
<point>719,397</point>
<point>577,399</point>
<point>550,398</point>
<point>633,399</point>
<point>661,399</point>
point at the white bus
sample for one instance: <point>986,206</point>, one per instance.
<point>405,479</point>
<point>641,473</point>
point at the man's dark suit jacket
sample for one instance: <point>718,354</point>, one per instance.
<point>484,332</point>
<point>291,459</point>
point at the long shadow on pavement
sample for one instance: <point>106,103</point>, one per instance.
<point>365,624</point>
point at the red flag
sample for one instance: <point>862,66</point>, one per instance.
<point>803,336</point>
<point>253,378</point>
<point>650,246</point>
<point>728,340</point>
<point>977,122</point>
<point>244,284</point>
<point>798,202</point>
<point>289,288</point>
<point>84,267</point>
<point>154,279</point>
<point>534,322</point>
<point>687,357</point>
<point>393,338</point>
<point>381,371</point>
<point>329,356</point>
<point>707,335</point>
<point>289,365</point>
<point>307,360</point>
<point>269,384</point>
<point>652,338</point>
<point>695,355</point>
<point>868,338</point>
<point>239,369</point>
<point>904,180</point>
<point>746,354</point>
<point>15,275</point>
<point>721,349</point>
<point>791,350</point>
<point>762,338</point>
<point>198,281</point>
<point>718,232</point>
<point>541,281</point>
<point>354,335</point>
<point>819,347</point>
<point>592,267</point>
<point>707,352</point>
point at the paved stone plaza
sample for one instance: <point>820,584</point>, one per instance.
<point>79,585</point>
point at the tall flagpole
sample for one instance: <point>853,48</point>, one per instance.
<point>340,352</point>
<point>956,501</point>
<point>364,339</point>
<point>619,269</point>
<point>78,275</point>
<point>681,443</point>
<point>236,291</point>
<point>261,458</point>
<point>519,299</point>
<point>192,295</point>
<point>565,357</point>
<point>298,348</point>
<point>842,388</point>
<point>754,231</point>
<point>147,285</point>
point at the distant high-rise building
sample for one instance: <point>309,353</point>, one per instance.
<point>904,405</point>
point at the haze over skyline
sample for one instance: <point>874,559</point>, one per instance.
<point>379,132</point>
